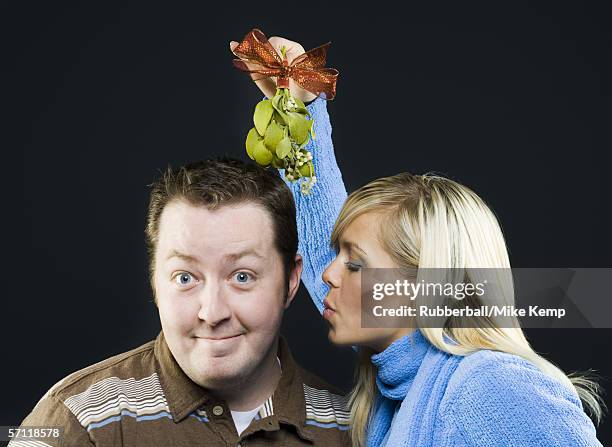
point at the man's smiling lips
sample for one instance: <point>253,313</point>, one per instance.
<point>218,338</point>
<point>219,345</point>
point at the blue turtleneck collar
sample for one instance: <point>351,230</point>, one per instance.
<point>398,364</point>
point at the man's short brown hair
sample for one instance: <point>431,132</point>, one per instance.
<point>225,181</point>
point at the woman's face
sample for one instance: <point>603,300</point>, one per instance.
<point>358,248</point>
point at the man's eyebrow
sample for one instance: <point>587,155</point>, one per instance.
<point>229,257</point>
<point>348,245</point>
<point>183,256</point>
<point>242,254</point>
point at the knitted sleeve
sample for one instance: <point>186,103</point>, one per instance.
<point>504,400</point>
<point>317,212</point>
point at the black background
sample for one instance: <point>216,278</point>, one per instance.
<point>511,101</point>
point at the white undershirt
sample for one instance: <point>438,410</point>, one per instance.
<point>242,419</point>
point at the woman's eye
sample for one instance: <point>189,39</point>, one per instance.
<point>352,266</point>
<point>184,279</point>
<point>242,277</point>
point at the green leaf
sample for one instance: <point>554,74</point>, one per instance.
<point>277,162</point>
<point>283,148</point>
<point>279,102</point>
<point>304,144</point>
<point>299,103</point>
<point>276,102</point>
<point>262,155</point>
<point>262,115</point>
<point>251,140</point>
<point>301,107</point>
<point>280,118</point>
<point>298,126</point>
<point>305,169</point>
<point>279,112</point>
<point>274,133</point>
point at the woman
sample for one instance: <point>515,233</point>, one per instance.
<point>477,386</point>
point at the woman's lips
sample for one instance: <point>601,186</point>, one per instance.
<point>328,310</point>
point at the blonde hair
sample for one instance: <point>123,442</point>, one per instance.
<point>433,222</point>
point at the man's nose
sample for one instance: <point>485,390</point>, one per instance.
<point>331,275</point>
<point>214,307</point>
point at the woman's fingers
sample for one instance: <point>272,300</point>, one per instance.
<point>267,85</point>
<point>293,49</point>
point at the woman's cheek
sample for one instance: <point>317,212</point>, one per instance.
<point>354,295</point>
<point>355,303</point>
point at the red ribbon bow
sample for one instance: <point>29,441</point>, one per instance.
<point>307,70</point>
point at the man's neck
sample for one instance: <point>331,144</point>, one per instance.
<point>257,387</point>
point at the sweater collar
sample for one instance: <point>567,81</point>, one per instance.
<point>398,364</point>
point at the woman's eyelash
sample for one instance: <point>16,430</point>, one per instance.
<point>352,266</point>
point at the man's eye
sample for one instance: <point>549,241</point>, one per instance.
<point>184,279</point>
<point>243,277</point>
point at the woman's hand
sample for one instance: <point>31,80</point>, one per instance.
<point>268,85</point>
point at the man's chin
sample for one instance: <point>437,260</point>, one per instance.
<point>212,370</point>
<point>220,376</point>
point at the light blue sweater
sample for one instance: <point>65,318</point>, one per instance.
<point>427,397</point>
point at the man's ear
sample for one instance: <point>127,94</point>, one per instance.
<point>294,280</point>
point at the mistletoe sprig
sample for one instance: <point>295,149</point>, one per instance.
<point>283,125</point>
<point>283,128</point>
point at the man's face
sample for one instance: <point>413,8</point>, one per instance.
<point>220,289</point>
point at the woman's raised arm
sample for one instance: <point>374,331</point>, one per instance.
<point>316,212</point>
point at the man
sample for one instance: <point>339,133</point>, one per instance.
<point>222,242</point>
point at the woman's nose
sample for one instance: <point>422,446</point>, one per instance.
<point>330,274</point>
